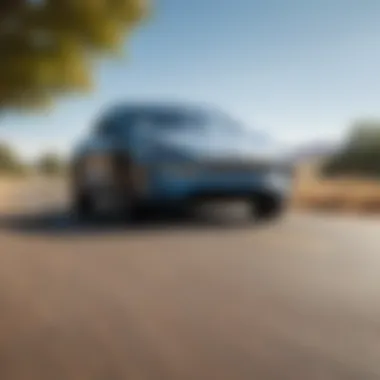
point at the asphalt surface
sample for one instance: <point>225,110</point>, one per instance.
<point>186,299</point>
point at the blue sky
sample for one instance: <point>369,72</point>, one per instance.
<point>299,69</point>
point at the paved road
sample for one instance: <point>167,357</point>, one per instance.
<point>176,299</point>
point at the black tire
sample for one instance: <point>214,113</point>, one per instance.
<point>268,208</point>
<point>82,207</point>
<point>86,200</point>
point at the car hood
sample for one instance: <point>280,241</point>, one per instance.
<point>215,145</point>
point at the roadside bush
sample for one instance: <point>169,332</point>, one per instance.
<point>360,156</point>
<point>10,163</point>
<point>51,164</point>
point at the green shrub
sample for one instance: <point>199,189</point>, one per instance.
<point>361,154</point>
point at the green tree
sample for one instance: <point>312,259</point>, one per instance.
<point>361,154</point>
<point>365,134</point>
<point>50,164</point>
<point>10,163</point>
<point>47,46</point>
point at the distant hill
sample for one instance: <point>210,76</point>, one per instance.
<point>314,150</point>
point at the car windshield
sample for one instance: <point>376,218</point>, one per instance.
<point>173,119</point>
<point>184,118</point>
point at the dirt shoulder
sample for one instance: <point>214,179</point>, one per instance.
<point>14,192</point>
<point>312,191</point>
<point>9,188</point>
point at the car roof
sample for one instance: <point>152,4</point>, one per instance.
<point>157,106</point>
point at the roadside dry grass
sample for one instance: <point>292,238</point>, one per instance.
<point>312,191</point>
<point>9,187</point>
<point>14,190</point>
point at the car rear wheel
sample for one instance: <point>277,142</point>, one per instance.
<point>113,195</point>
<point>102,206</point>
<point>82,207</point>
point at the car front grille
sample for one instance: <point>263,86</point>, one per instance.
<point>243,167</point>
<point>248,168</point>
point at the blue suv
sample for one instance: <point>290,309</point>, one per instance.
<point>139,155</point>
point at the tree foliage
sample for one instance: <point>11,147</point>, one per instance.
<point>50,164</point>
<point>47,46</point>
<point>10,162</point>
<point>361,154</point>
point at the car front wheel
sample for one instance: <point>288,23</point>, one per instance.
<point>268,208</point>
